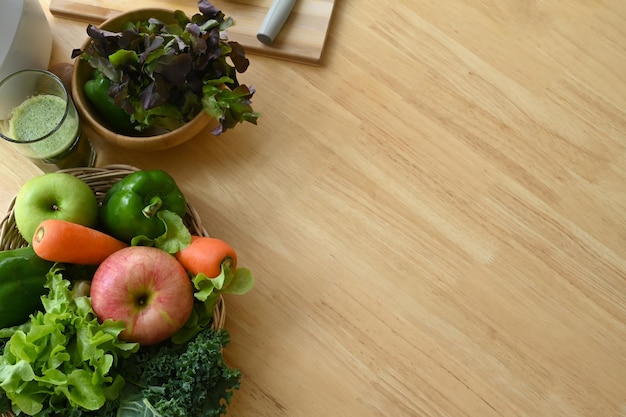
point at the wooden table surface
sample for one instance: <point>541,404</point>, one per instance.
<point>435,216</point>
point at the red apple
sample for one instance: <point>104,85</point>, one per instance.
<point>145,287</point>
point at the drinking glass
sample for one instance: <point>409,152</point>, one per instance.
<point>38,116</point>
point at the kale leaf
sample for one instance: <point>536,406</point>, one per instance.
<point>181,380</point>
<point>170,381</point>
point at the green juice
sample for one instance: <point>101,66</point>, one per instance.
<point>39,115</point>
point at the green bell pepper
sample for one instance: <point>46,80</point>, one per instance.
<point>97,92</point>
<point>137,205</point>
<point>22,279</point>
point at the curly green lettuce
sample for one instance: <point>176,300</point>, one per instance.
<point>62,357</point>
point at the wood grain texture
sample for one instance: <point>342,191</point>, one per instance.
<point>436,215</point>
<point>302,38</point>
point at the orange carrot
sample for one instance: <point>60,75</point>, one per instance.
<point>63,241</point>
<point>206,255</point>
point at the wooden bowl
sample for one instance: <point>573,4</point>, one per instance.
<point>83,72</point>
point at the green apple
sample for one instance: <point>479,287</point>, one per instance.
<point>56,195</point>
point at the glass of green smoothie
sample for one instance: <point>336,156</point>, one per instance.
<point>38,116</point>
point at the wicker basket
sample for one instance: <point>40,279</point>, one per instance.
<point>100,180</point>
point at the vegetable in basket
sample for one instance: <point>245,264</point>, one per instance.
<point>63,241</point>
<point>62,357</point>
<point>212,265</point>
<point>167,381</point>
<point>146,208</point>
<point>22,279</point>
<point>207,255</point>
<point>180,380</point>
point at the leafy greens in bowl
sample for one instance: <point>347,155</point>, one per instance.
<point>164,70</point>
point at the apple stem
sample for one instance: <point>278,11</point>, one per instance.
<point>151,209</point>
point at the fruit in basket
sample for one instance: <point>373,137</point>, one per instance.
<point>55,195</point>
<point>22,279</point>
<point>146,288</point>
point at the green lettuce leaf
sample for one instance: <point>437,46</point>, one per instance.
<point>176,236</point>
<point>62,356</point>
<point>207,292</point>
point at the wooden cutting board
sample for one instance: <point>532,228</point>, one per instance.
<point>302,38</point>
